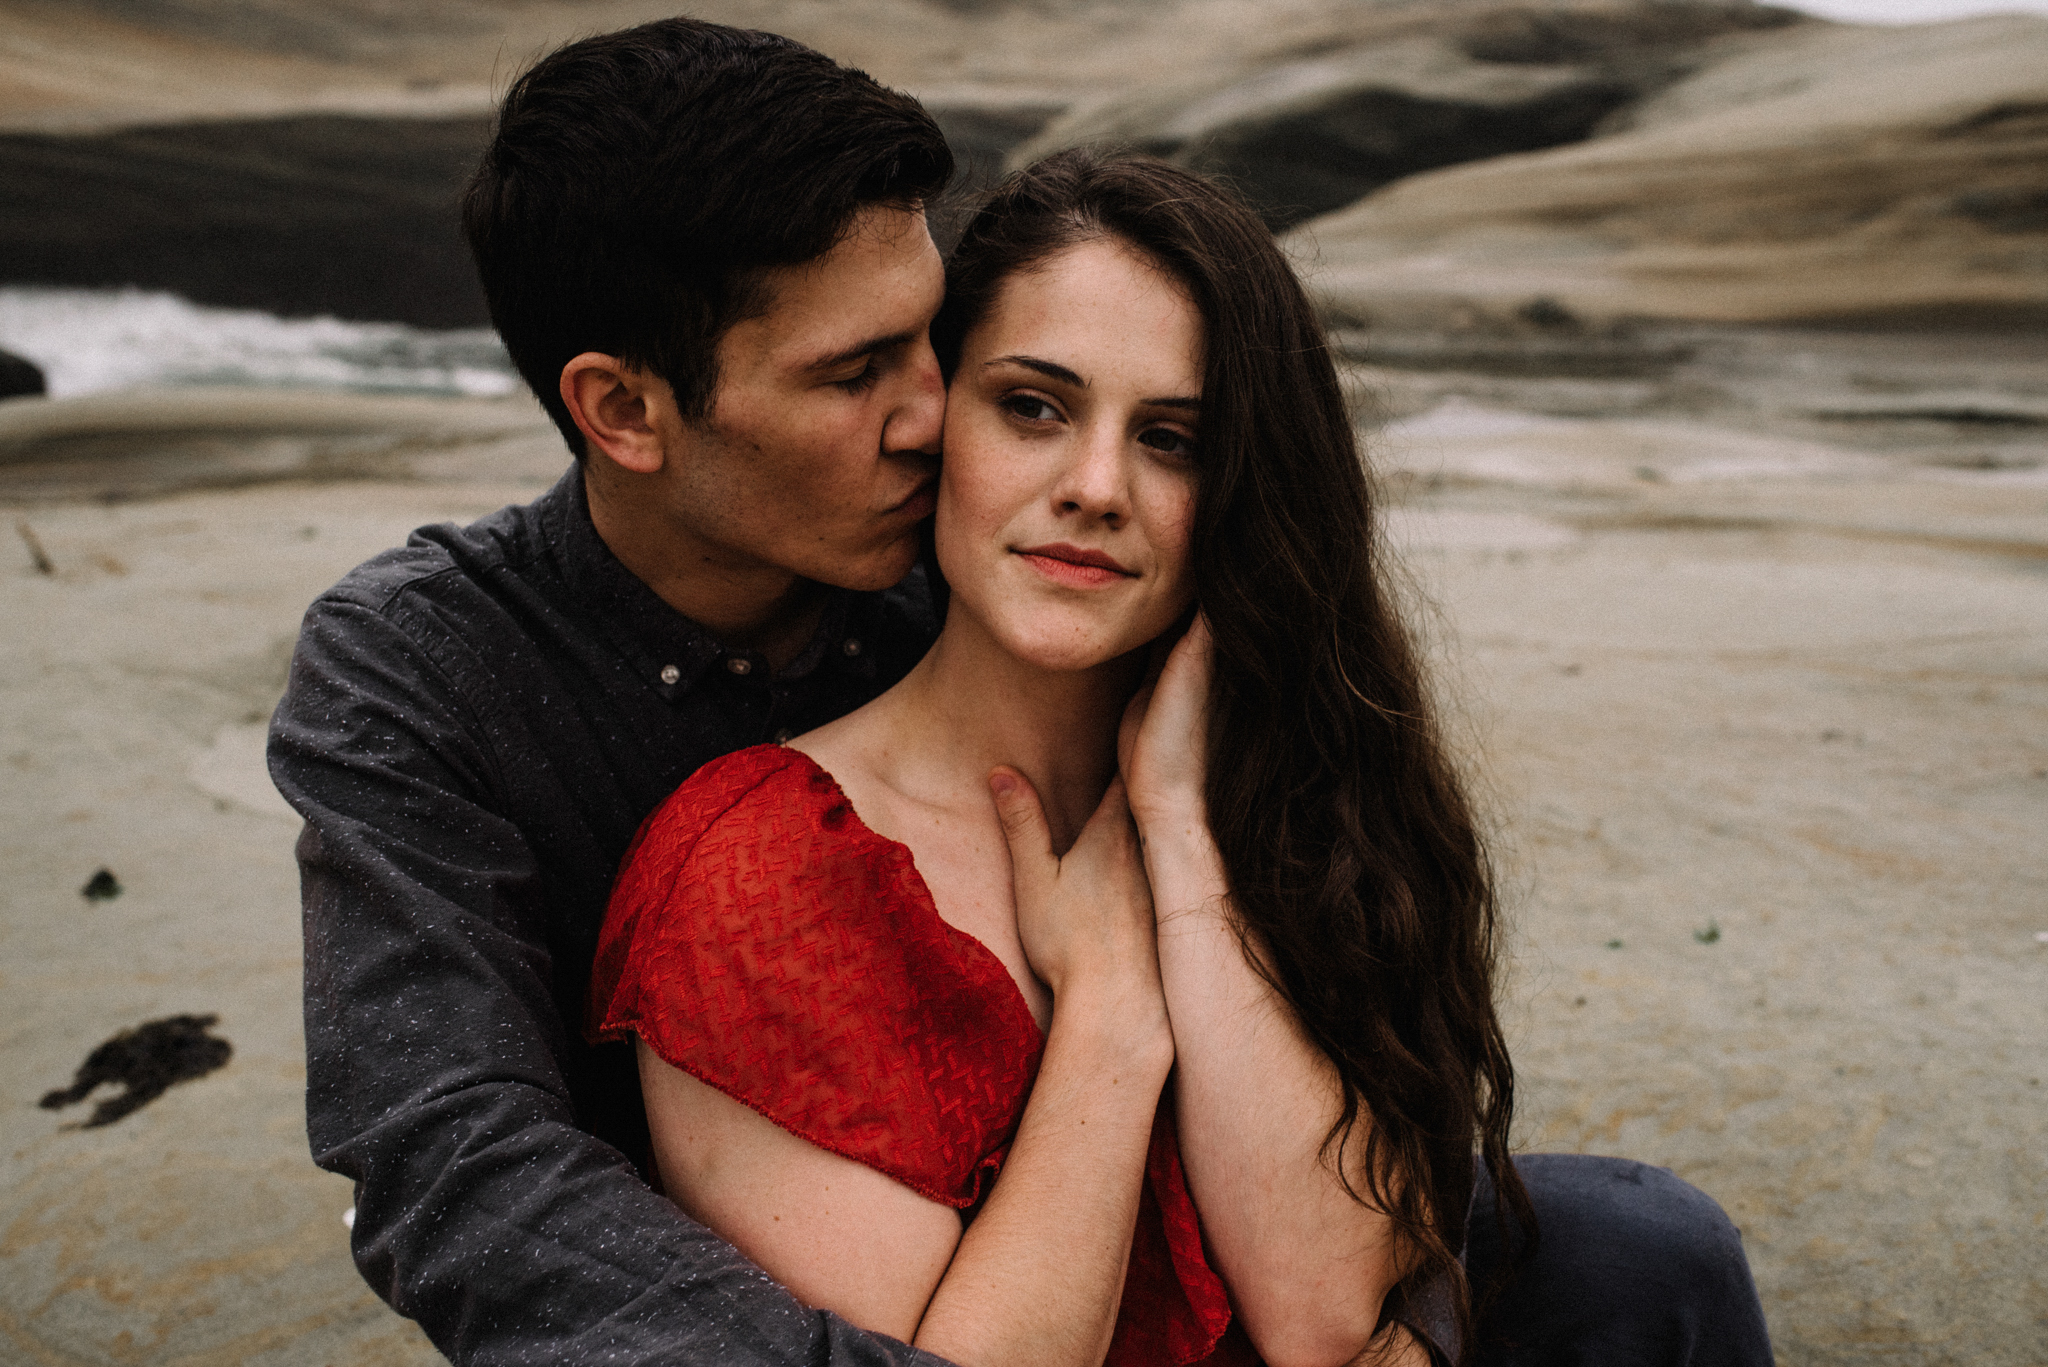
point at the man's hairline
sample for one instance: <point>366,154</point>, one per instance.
<point>759,287</point>
<point>759,282</point>
<point>756,287</point>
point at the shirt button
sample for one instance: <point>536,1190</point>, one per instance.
<point>852,646</point>
<point>670,674</point>
<point>782,736</point>
<point>740,664</point>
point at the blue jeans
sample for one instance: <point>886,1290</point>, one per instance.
<point>1633,1268</point>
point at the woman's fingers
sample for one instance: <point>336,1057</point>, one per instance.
<point>1089,912</point>
<point>1032,865</point>
<point>1108,847</point>
<point>1133,724</point>
<point>1114,811</point>
<point>1162,748</point>
<point>1105,870</point>
<point>1185,679</point>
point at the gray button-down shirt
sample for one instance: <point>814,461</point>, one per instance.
<point>474,728</point>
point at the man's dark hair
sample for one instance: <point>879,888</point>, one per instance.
<point>641,184</point>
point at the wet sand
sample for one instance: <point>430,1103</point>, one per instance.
<point>1762,717</point>
<point>1771,762</point>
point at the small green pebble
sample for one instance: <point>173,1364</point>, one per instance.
<point>101,887</point>
<point>1709,935</point>
<point>1614,944</point>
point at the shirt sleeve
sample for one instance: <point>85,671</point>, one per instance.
<point>763,940</point>
<point>435,1052</point>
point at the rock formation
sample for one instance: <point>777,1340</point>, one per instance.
<point>1888,176</point>
<point>342,215</point>
<point>1531,168</point>
<point>19,376</point>
<point>1313,134</point>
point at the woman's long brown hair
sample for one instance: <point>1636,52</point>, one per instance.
<point>1357,871</point>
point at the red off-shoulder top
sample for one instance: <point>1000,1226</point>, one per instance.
<point>764,940</point>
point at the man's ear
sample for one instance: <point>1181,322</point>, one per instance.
<point>619,409</point>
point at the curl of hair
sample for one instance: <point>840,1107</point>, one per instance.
<point>1357,870</point>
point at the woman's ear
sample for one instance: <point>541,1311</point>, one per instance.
<point>619,409</point>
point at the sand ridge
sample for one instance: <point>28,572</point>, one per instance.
<point>1891,177</point>
<point>1761,740</point>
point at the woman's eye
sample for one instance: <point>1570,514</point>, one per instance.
<point>1168,442</point>
<point>1031,408</point>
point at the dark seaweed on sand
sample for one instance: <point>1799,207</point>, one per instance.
<point>146,1061</point>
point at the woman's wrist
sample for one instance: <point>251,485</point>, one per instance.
<point>1178,807</point>
<point>1185,869</point>
<point>1116,1021</point>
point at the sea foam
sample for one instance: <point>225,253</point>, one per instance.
<point>91,341</point>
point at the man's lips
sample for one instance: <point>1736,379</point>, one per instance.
<point>1074,566</point>
<point>920,501</point>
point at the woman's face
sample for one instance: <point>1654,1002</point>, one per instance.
<point>1069,477</point>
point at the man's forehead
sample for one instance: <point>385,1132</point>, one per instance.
<point>883,278</point>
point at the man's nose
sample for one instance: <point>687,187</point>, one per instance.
<point>919,417</point>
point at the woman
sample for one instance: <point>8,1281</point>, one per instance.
<point>848,1024</point>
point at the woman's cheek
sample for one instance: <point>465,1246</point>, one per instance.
<point>952,541</point>
<point>1000,483</point>
<point>970,516</point>
<point>1172,515</point>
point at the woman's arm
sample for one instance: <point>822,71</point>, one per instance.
<point>1038,1275</point>
<point>838,1234</point>
<point>1307,1266</point>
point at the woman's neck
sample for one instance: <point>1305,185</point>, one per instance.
<point>971,705</point>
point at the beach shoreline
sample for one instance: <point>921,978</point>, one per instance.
<point>1763,744</point>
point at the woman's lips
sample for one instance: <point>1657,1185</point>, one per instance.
<point>1074,567</point>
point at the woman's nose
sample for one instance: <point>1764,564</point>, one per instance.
<point>1096,481</point>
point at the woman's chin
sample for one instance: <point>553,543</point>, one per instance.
<point>1067,653</point>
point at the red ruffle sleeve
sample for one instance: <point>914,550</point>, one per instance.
<point>762,939</point>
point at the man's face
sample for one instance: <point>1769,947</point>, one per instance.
<point>819,454</point>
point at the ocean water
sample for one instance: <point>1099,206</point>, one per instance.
<point>90,341</point>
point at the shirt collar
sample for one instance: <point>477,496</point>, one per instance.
<point>670,649</point>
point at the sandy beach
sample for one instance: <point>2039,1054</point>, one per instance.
<point>1762,720</point>
<point>1701,353</point>
<point>1772,770</point>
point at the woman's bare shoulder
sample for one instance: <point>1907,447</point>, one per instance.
<point>856,752</point>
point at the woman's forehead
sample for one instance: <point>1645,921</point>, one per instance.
<point>1100,306</point>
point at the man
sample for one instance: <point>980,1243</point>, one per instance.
<point>705,250</point>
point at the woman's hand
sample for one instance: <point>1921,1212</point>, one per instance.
<point>1162,747</point>
<point>1085,919</point>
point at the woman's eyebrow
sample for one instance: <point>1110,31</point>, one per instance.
<point>1045,368</point>
<point>1065,376</point>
